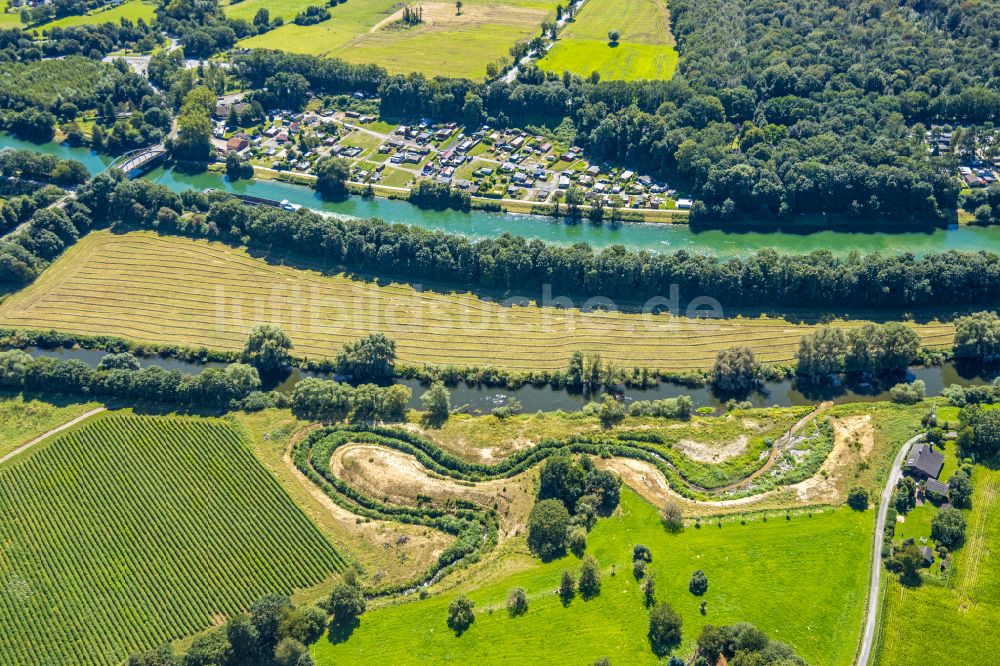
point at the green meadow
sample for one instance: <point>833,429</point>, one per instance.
<point>803,580</point>
<point>645,49</point>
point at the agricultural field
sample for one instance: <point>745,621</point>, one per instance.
<point>130,531</point>
<point>133,10</point>
<point>23,419</point>
<point>446,43</point>
<point>951,621</point>
<point>801,580</point>
<point>645,49</point>
<point>173,290</point>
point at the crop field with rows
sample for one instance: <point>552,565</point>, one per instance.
<point>131,531</point>
<point>174,290</point>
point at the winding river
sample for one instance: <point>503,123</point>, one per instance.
<point>478,224</point>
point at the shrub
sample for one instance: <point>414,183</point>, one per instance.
<point>699,583</point>
<point>664,628</point>
<point>460,614</point>
<point>649,592</point>
<point>590,578</point>
<point>517,602</point>
<point>857,498</point>
<point>638,569</point>
<point>345,603</point>
<point>576,541</point>
<point>567,588</point>
<point>547,529</point>
<point>672,517</point>
<point>640,552</point>
<point>908,394</point>
<point>948,528</point>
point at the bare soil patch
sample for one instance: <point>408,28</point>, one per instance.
<point>713,453</point>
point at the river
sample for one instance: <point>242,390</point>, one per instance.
<point>479,224</point>
<point>481,399</point>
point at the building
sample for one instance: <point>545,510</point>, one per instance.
<point>935,488</point>
<point>236,144</point>
<point>684,204</point>
<point>927,554</point>
<point>924,462</point>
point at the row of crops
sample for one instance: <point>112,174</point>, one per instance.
<point>135,530</point>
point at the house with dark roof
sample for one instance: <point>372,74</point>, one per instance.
<point>927,554</point>
<point>924,462</point>
<point>936,488</point>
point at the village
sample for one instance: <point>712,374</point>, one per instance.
<point>488,163</point>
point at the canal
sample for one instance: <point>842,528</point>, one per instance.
<point>479,224</point>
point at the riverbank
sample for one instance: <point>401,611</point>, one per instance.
<point>723,243</point>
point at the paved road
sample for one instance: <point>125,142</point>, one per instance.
<point>54,431</point>
<point>871,619</point>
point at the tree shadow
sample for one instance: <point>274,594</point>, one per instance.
<point>912,580</point>
<point>339,632</point>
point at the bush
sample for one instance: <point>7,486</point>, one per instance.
<point>699,583</point>
<point>517,602</point>
<point>640,552</point>
<point>460,614</point>
<point>590,578</point>
<point>567,588</point>
<point>576,541</point>
<point>960,489</point>
<point>857,498</point>
<point>345,603</point>
<point>548,525</point>
<point>672,517</point>
<point>639,569</point>
<point>908,394</point>
<point>948,528</point>
<point>664,629</point>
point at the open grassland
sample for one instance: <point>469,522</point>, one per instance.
<point>446,43</point>
<point>176,290</point>
<point>133,10</point>
<point>954,621</point>
<point>645,49</point>
<point>22,420</point>
<point>131,531</point>
<point>801,580</point>
<point>8,19</point>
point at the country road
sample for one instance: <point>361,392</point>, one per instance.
<point>54,431</point>
<point>871,618</point>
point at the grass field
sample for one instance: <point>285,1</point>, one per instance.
<point>286,9</point>
<point>133,10</point>
<point>175,290</point>
<point>130,531</point>
<point>446,43</point>
<point>954,622</point>
<point>8,19</point>
<point>644,51</point>
<point>22,420</point>
<point>803,581</point>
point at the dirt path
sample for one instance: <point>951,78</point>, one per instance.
<point>54,431</point>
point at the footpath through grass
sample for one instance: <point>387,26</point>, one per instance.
<point>131,531</point>
<point>175,290</point>
<point>22,420</point>
<point>645,49</point>
<point>954,621</point>
<point>801,580</point>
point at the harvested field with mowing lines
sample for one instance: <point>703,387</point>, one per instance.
<point>175,290</point>
<point>645,49</point>
<point>801,580</point>
<point>130,531</point>
<point>954,622</point>
<point>446,43</point>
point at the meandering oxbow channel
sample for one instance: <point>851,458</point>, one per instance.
<point>478,224</point>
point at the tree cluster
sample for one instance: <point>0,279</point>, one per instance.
<point>743,644</point>
<point>331,402</point>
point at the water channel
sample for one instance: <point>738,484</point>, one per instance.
<point>478,224</point>
<point>482,399</point>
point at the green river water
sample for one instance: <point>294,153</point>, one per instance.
<point>477,224</point>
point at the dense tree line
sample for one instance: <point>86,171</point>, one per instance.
<point>871,348</point>
<point>743,644</point>
<point>93,41</point>
<point>121,378</point>
<point>514,263</point>
<point>432,194</point>
<point>30,165</point>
